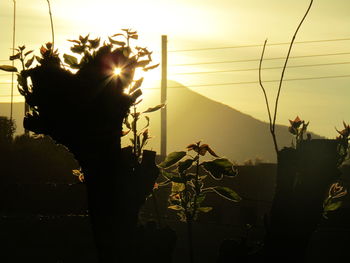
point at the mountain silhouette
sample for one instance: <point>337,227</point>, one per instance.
<point>193,117</point>
<point>231,133</point>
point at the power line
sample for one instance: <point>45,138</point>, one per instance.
<point>259,45</point>
<point>254,69</point>
<point>255,82</point>
<point>258,59</point>
<point>10,96</point>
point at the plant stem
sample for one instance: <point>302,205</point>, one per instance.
<point>273,121</point>
<point>135,134</point>
<point>285,64</point>
<point>190,239</point>
<point>156,208</point>
<point>52,30</point>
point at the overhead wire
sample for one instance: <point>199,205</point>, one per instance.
<point>257,59</point>
<point>260,45</point>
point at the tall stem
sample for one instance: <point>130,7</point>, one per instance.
<point>190,239</point>
<point>135,134</point>
<point>273,121</point>
<point>285,65</point>
<point>52,30</point>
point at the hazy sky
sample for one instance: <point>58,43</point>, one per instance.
<point>196,24</point>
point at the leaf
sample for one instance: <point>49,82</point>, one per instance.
<point>77,49</point>
<point>134,36</point>
<point>17,56</point>
<point>142,63</point>
<point>137,84</point>
<point>126,52</point>
<point>43,50</point>
<point>28,52</point>
<point>227,193</point>
<point>173,177</point>
<point>183,166</point>
<point>147,119</point>
<point>124,133</point>
<point>115,42</point>
<point>94,43</point>
<point>119,34</point>
<point>177,187</point>
<point>332,206</point>
<point>8,68</point>
<point>200,198</point>
<point>175,207</point>
<point>84,40</point>
<point>136,94</point>
<point>70,60</point>
<point>158,107</point>
<point>39,59</point>
<point>29,62</point>
<point>205,209</point>
<point>151,67</point>
<point>74,41</point>
<point>219,167</point>
<point>127,123</point>
<point>172,159</point>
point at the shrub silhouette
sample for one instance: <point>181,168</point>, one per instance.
<point>85,111</point>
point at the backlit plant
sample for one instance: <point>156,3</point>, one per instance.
<point>333,200</point>
<point>298,128</point>
<point>187,173</point>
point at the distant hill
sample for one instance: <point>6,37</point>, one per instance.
<point>193,117</point>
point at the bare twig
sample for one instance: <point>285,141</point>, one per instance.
<point>273,121</point>
<point>266,99</point>
<point>52,31</point>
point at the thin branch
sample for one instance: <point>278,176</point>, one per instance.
<point>285,65</point>
<point>52,31</point>
<point>272,130</point>
<point>262,86</point>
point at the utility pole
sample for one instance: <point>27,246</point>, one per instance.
<point>163,98</point>
<point>13,52</point>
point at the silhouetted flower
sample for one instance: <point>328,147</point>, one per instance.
<point>336,190</point>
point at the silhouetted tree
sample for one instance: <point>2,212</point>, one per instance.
<point>7,130</point>
<point>85,112</point>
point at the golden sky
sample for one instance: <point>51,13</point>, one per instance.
<point>191,25</point>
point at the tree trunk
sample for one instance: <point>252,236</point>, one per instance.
<point>303,177</point>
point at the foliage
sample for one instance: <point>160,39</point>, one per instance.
<point>298,128</point>
<point>187,174</point>
<point>139,137</point>
<point>7,129</point>
<point>343,143</point>
<point>52,90</point>
<point>333,202</point>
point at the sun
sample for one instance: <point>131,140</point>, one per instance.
<point>117,71</point>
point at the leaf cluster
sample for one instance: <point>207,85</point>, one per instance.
<point>333,200</point>
<point>187,174</point>
<point>298,128</point>
<point>140,137</point>
<point>343,143</point>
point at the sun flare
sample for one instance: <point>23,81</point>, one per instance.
<point>117,71</point>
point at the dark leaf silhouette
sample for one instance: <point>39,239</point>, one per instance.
<point>8,68</point>
<point>158,107</point>
<point>219,167</point>
<point>172,159</point>
<point>227,193</point>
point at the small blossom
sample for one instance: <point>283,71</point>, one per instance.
<point>336,191</point>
